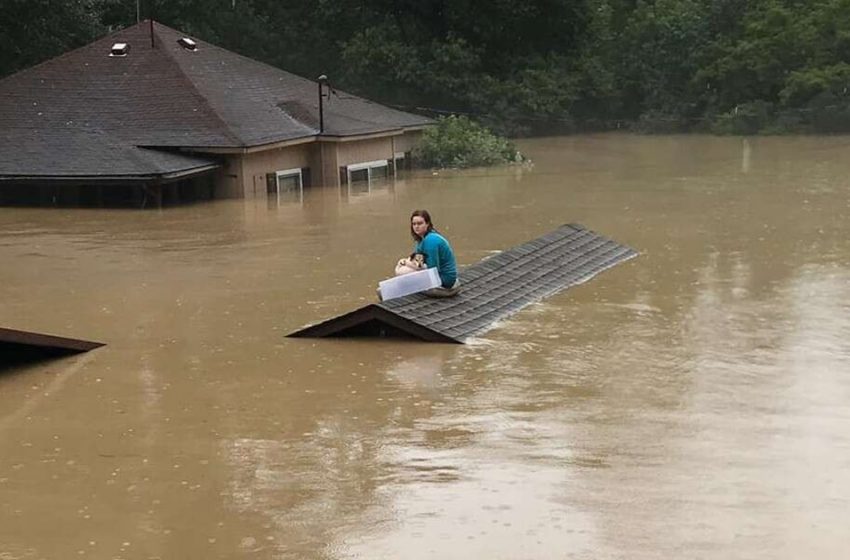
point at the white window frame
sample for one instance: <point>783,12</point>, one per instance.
<point>286,173</point>
<point>368,166</point>
<point>396,157</point>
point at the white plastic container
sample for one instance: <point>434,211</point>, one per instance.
<point>410,283</point>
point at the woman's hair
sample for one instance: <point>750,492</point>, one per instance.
<point>425,216</point>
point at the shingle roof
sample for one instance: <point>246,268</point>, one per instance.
<point>81,153</point>
<point>263,104</point>
<point>492,289</point>
<point>166,96</point>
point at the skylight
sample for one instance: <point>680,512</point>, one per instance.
<point>119,49</point>
<point>187,44</point>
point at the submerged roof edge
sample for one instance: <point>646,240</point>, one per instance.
<point>336,326</point>
<point>13,336</point>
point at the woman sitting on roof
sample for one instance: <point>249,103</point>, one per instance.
<point>438,253</point>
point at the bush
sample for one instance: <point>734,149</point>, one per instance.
<point>460,142</point>
<point>747,118</point>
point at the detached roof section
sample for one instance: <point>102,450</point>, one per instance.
<point>167,96</point>
<point>492,289</point>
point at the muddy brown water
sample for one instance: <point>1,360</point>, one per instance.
<point>691,403</point>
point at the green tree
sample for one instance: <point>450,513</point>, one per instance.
<point>459,142</point>
<point>32,31</point>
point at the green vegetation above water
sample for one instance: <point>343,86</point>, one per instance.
<point>546,66</point>
<point>461,142</point>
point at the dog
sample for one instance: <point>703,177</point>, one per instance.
<point>413,263</point>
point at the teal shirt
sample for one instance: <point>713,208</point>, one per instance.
<point>438,254</point>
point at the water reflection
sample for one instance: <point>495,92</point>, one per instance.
<point>356,190</point>
<point>286,197</point>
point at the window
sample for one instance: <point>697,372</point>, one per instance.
<point>357,175</point>
<point>368,171</point>
<point>401,161</point>
<point>286,185</point>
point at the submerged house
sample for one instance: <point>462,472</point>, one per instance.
<point>148,113</point>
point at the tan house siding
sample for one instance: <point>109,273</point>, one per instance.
<point>406,142</point>
<point>244,175</point>
<point>329,163</point>
<point>227,179</point>
<point>258,164</point>
<point>365,150</point>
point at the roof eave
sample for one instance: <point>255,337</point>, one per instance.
<point>110,179</point>
<point>325,137</point>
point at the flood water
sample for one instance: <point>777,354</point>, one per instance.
<point>690,403</point>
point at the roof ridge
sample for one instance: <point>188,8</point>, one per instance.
<point>327,106</point>
<point>254,60</point>
<point>310,130</point>
<point>231,135</point>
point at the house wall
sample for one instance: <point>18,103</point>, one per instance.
<point>257,165</point>
<point>328,161</point>
<point>228,179</point>
<point>244,175</point>
<point>407,141</point>
<point>359,151</point>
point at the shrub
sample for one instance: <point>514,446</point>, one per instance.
<point>829,113</point>
<point>747,118</point>
<point>460,142</point>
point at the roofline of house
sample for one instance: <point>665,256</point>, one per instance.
<point>110,179</point>
<point>294,141</point>
<point>354,137</point>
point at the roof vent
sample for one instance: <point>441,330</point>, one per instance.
<point>119,49</point>
<point>187,43</point>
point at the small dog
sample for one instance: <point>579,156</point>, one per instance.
<point>413,263</point>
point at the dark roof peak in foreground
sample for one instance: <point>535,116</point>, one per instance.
<point>492,289</point>
<point>169,95</point>
<point>16,345</point>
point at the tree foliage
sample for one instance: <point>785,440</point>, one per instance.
<point>457,141</point>
<point>32,31</point>
<point>519,66</point>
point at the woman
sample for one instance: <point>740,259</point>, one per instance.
<point>438,253</point>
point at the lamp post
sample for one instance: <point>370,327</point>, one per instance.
<point>322,81</point>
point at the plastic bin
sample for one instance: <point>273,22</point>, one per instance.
<point>410,283</point>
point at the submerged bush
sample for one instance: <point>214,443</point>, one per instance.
<point>461,142</point>
<point>747,118</point>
